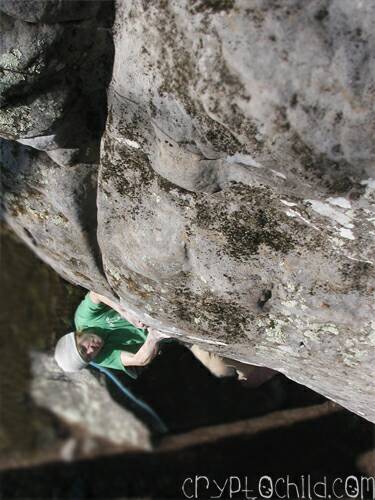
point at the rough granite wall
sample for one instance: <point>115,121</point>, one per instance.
<point>232,196</point>
<point>80,399</point>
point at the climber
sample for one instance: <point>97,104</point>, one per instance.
<point>108,333</point>
<point>115,338</point>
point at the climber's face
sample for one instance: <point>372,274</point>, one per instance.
<point>88,344</point>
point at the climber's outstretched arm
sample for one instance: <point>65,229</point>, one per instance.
<point>147,352</point>
<point>97,299</point>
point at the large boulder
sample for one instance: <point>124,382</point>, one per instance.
<point>234,192</point>
<point>79,399</point>
<point>54,76</point>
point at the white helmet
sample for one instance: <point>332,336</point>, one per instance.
<point>67,355</point>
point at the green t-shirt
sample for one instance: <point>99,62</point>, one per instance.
<point>118,334</point>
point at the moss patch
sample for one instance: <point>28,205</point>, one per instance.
<point>208,312</point>
<point>125,168</point>
<point>256,222</point>
<point>212,5</point>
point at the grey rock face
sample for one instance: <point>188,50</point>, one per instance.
<point>45,11</point>
<point>235,189</point>
<point>80,399</point>
<point>53,212</point>
<point>53,80</point>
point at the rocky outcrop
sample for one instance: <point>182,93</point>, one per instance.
<point>81,400</point>
<point>233,200</point>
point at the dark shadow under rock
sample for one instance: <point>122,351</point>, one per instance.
<point>186,395</point>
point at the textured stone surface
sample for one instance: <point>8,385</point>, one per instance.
<point>81,400</point>
<point>53,80</point>
<point>235,191</point>
<point>53,212</point>
<point>48,11</point>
